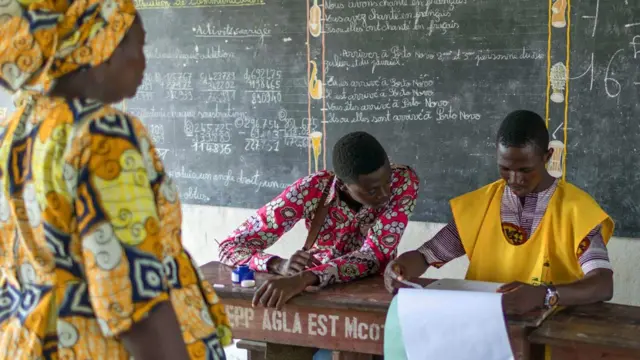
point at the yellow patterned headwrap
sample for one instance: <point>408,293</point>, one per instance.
<point>42,40</point>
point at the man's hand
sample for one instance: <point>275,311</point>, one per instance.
<point>276,292</point>
<point>520,298</point>
<point>297,263</point>
<point>405,267</point>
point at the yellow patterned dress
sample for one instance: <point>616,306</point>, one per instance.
<point>90,234</point>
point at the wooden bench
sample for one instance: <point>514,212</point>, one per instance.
<point>255,349</point>
<point>591,332</point>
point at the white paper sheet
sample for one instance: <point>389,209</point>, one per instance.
<point>453,325</point>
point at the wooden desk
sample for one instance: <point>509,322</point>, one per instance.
<point>600,331</point>
<point>346,318</point>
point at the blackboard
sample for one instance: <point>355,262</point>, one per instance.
<point>223,97</point>
<point>234,88</point>
<point>603,115</point>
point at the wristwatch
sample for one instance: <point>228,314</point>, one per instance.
<point>551,297</point>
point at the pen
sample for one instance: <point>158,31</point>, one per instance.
<point>410,284</point>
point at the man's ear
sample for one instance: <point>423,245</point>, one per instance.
<point>548,155</point>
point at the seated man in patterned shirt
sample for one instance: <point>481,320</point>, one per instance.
<point>543,237</point>
<point>369,202</point>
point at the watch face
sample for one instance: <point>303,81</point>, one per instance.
<point>553,300</point>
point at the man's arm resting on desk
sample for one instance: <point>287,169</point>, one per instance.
<point>247,243</point>
<point>595,287</point>
<point>276,292</point>
<point>355,265</point>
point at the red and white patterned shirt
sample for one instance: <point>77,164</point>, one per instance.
<point>446,245</point>
<point>350,245</point>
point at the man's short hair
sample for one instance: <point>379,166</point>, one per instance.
<point>357,153</point>
<point>523,127</point>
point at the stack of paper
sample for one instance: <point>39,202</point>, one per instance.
<point>450,319</point>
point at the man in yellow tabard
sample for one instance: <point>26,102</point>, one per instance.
<point>544,238</point>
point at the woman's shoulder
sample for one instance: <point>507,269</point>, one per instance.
<point>99,119</point>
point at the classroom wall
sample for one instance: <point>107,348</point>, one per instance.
<point>203,225</point>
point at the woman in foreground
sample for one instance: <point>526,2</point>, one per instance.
<point>91,260</point>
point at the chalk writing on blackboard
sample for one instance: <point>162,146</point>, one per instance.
<point>398,56</point>
<point>391,100</point>
<point>635,43</point>
<point>167,4</point>
<point>594,17</point>
<point>162,153</point>
<point>205,53</point>
<point>193,193</point>
<point>229,177</point>
<point>611,79</point>
<point>422,17</point>
<point>212,31</point>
